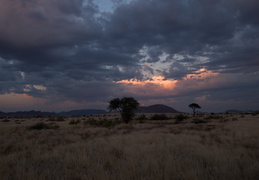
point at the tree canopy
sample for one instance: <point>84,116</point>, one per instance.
<point>126,106</point>
<point>194,106</point>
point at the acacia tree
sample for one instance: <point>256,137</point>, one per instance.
<point>126,106</point>
<point>194,106</point>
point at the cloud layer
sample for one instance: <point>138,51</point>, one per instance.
<point>70,51</point>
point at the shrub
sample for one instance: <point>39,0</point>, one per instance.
<point>199,121</point>
<point>234,119</point>
<point>213,117</point>
<point>159,117</point>
<point>101,122</point>
<point>107,123</point>
<point>142,117</point>
<point>141,121</point>
<point>224,120</point>
<point>91,122</point>
<point>6,120</point>
<point>180,117</point>
<point>59,118</point>
<point>51,119</point>
<point>75,121</point>
<point>40,126</point>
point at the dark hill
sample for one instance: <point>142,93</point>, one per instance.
<point>46,114</point>
<point>26,114</point>
<point>82,112</point>
<point>157,108</point>
<point>234,111</point>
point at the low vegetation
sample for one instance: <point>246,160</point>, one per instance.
<point>41,125</point>
<point>180,147</point>
<point>59,118</point>
<point>159,117</point>
<point>102,122</point>
<point>199,121</point>
<point>75,121</point>
<point>179,118</point>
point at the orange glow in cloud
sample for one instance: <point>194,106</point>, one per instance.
<point>201,74</point>
<point>158,85</point>
<point>156,80</point>
<point>151,87</point>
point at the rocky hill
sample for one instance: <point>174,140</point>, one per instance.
<point>157,108</point>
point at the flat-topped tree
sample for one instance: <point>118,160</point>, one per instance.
<point>194,106</point>
<point>126,106</point>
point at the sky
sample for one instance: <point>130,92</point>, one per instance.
<point>60,55</point>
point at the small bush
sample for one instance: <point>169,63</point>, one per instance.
<point>179,118</point>
<point>74,121</point>
<point>51,119</point>
<point>60,118</point>
<point>234,119</point>
<point>17,121</point>
<point>199,121</point>
<point>141,117</point>
<point>224,120</point>
<point>40,126</point>
<point>159,117</point>
<point>6,120</point>
<point>101,122</point>
<point>141,121</point>
<point>213,117</point>
<point>91,121</point>
<point>107,123</point>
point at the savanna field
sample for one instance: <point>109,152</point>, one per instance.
<point>152,147</point>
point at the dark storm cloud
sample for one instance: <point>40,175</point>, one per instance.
<point>172,23</point>
<point>248,11</point>
<point>177,70</point>
<point>76,52</point>
<point>207,28</point>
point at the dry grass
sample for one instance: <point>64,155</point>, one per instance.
<point>225,147</point>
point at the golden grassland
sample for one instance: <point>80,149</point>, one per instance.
<point>78,148</point>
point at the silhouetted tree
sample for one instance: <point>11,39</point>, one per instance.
<point>126,106</point>
<point>194,106</point>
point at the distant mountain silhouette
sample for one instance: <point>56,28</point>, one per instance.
<point>82,112</point>
<point>47,114</point>
<point>234,111</point>
<point>157,108</point>
<point>27,114</point>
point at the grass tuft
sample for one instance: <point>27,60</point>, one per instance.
<point>199,121</point>
<point>159,117</point>
<point>74,122</point>
<point>108,123</point>
<point>40,126</point>
<point>179,118</point>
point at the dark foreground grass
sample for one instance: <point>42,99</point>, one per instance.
<point>150,150</point>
